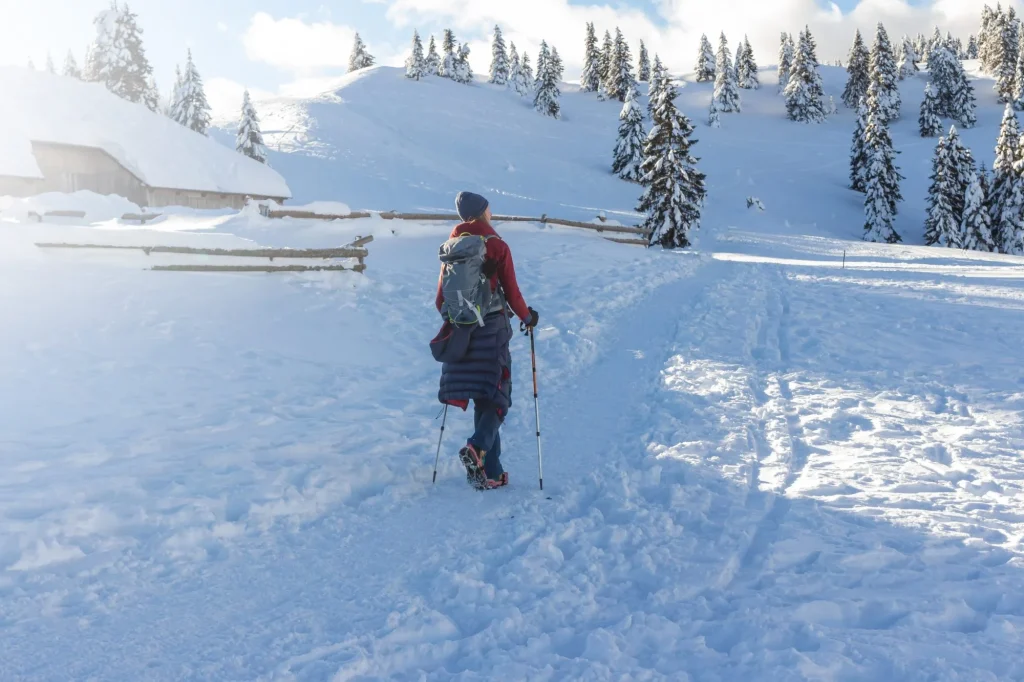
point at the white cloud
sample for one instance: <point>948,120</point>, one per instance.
<point>296,45</point>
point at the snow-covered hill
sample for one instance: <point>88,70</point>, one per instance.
<point>380,141</point>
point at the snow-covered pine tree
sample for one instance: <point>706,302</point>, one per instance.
<point>558,67</point>
<point>621,72</point>
<point>929,121</point>
<point>1005,59</point>
<point>629,149</point>
<point>249,140</point>
<point>590,80</point>
<point>953,90</point>
<point>659,80</point>
<point>884,73</point>
<point>961,163</point>
<point>675,190</point>
<point>546,99</point>
<point>804,94</point>
<point>963,103</point>
<point>1018,85</point>
<point>907,64</point>
<point>516,78</point>
<point>747,70</point>
<point>527,72</point>
<point>1004,174</point>
<point>858,150</point>
<point>71,66</point>
<point>971,52</point>
<point>941,227</point>
<point>542,58</point>
<point>706,64</point>
<point>174,103</point>
<point>360,57</point>
<point>857,73</point>
<point>607,62</point>
<point>976,226</point>
<point>785,61</point>
<point>433,60</point>
<point>118,59</point>
<point>643,71</point>
<point>499,58</point>
<point>714,120</point>
<point>415,65</point>
<point>738,60</point>
<point>193,108</point>
<point>726,89</point>
<point>882,180</point>
<point>463,70</point>
<point>447,67</point>
<point>986,36</point>
<point>50,68</point>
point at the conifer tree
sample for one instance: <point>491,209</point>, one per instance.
<point>972,48</point>
<point>432,60</point>
<point>71,66</point>
<point>193,111</point>
<point>882,180</point>
<point>590,80</point>
<point>706,63</point>
<point>976,227</point>
<point>542,57</point>
<point>659,81</point>
<point>1011,227</point>
<point>804,94</point>
<point>929,122</point>
<point>941,227</point>
<point>249,140</point>
<point>953,89</point>
<point>907,65</point>
<point>463,70</point>
<point>415,65</point>
<point>118,59</point>
<point>50,68</point>
<point>30,65</point>
<point>1005,59</point>
<point>174,108</point>
<point>447,68</point>
<point>499,58</point>
<point>857,73</point>
<point>629,149</point>
<point>726,89</point>
<point>986,43</point>
<point>858,150</point>
<point>360,57</point>
<point>546,99</point>
<point>644,66</point>
<point>607,63</point>
<point>1004,173</point>
<point>675,191</point>
<point>714,120</point>
<point>785,61</point>
<point>884,74</point>
<point>747,68</point>
<point>516,78</point>
<point>620,74</point>
<point>527,71</point>
<point>1018,87</point>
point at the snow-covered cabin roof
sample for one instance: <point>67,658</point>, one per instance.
<point>42,107</point>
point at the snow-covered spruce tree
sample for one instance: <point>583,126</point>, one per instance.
<point>675,191</point>
<point>785,61</point>
<point>117,57</point>
<point>607,62</point>
<point>953,89</point>
<point>193,109</point>
<point>499,59</point>
<point>516,78</point>
<point>527,72</point>
<point>857,73</point>
<point>50,68</point>
<point>726,89</point>
<point>643,71</point>
<point>972,48</point>
<point>747,69</point>
<point>448,56</point>
<point>71,66</point>
<point>804,94</point>
<point>941,226</point>
<point>542,57</point>
<point>659,81</point>
<point>714,120</point>
<point>907,64</point>
<point>629,149</point>
<point>985,38</point>
<point>174,103</point>
<point>976,226</point>
<point>858,150</point>
<point>706,64</point>
<point>463,71</point>
<point>360,57</point>
<point>621,72</point>
<point>590,80</point>
<point>433,59</point>
<point>1011,227</point>
<point>882,181</point>
<point>557,67</point>
<point>929,122</point>
<point>1005,60</point>
<point>1018,85</point>
<point>962,166</point>
<point>1004,172</point>
<point>249,140</point>
<point>416,65</point>
<point>546,99</point>
<point>883,72</point>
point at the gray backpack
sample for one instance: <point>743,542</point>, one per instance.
<point>466,291</point>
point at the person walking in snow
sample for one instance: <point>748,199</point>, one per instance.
<point>476,289</point>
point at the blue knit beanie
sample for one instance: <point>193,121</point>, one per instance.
<point>470,206</point>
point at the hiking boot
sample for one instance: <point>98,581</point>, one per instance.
<point>491,484</point>
<point>473,460</point>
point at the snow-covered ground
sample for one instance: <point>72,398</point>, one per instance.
<point>778,456</point>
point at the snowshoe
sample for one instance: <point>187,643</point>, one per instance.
<point>492,484</point>
<point>474,463</point>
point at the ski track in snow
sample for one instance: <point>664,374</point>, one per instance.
<point>754,470</point>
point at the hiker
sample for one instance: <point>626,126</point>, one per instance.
<point>474,293</point>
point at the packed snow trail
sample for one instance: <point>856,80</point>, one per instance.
<point>758,466</point>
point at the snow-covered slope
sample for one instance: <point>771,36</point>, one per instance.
<point>380,141</point>
<point>43,107</point>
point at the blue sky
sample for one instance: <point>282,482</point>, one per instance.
<point>270,45</point>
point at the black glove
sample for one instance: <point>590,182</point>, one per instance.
<point>534,318</point>
<point>490,268</point>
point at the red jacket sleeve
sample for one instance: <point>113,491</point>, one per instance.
<point>507,277</point>
<point>439,299</point>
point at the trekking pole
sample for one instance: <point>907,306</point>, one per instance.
<point>439,439</point>
<point>536,410</point>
